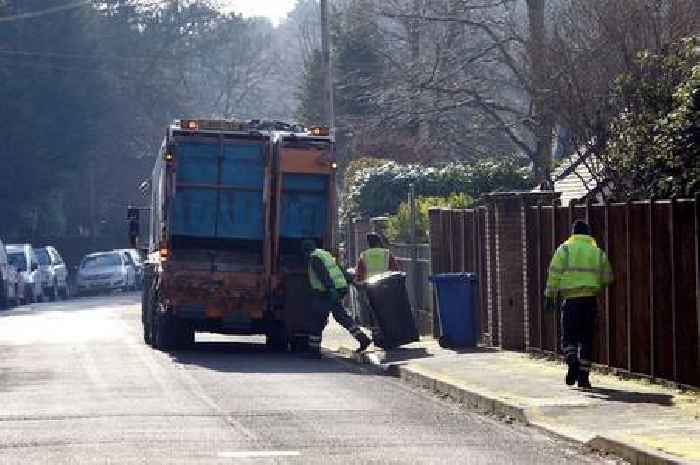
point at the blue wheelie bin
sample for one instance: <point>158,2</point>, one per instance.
<point>457,299</point>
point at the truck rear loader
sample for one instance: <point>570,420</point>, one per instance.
<point>231,203</point>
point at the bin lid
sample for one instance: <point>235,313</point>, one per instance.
<point>454,277</point>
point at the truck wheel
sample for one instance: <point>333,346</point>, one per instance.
<point>277,339</point>
<point>147,306</point>
<point>165,331</point>
<point>185,335</point>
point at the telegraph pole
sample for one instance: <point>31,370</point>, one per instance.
<point>329,107</point>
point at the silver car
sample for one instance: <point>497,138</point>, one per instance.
<point>104,271</point>
<point>54,272</point>
<point>22,257</point>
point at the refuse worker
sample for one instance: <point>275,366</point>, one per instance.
<point>330,285</point>
<point>579,271</point>
<point>375,260</point>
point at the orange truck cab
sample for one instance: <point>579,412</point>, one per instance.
<point>231,203</point>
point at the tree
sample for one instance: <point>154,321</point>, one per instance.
<point>653,147</point>
<point>310,111</point>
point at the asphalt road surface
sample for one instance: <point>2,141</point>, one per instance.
<point>79,386</point>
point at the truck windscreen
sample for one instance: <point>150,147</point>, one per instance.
<point>219,191</point>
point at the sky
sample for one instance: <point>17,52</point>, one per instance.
<point>276,10</point>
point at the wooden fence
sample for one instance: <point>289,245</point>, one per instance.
<point>648,320</point>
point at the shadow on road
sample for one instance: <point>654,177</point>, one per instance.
<point>244,357</point>
<point>631,397</point>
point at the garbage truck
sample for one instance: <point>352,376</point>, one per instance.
<point>231,203</point>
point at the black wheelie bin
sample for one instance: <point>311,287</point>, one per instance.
<point>394,324</point>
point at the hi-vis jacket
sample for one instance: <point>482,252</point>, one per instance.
<point>334,275</point>
<point>376,261</point>
<point>578,269</point>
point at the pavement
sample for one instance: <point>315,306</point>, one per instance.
<point>642,422</point>
<point>79,386</point>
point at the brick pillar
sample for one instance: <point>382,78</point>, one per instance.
<point>507,267</point>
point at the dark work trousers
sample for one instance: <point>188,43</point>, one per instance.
<point>321,307</point>
<point>577,327</point>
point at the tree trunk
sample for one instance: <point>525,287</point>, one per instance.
<point>540,91</point>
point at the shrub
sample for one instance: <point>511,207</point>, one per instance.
<point>399,227</point>
<point>377,188</point>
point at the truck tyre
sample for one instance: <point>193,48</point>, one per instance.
<point>276,338</point>
<point>165,331</point>
<point>185,334</point>
<point>146,317</point>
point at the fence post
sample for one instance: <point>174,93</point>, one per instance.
<point>540,312</point>
<point>436,258</point>
<point>652,281</point>
<point>674,261</point>
<point>606,239</point>
<point>628,284</point>
<point>557,314</point>
<point>697,265</point>
<point>414,250</point>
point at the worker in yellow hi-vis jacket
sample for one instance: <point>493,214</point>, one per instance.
<point>578,272</point>
<point>329,284</point>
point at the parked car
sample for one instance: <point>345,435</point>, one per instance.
<point>22,257</point>
<point>9,285</point>
<point>54,272</point>
<point>137,260</point>
<point>104,271</point>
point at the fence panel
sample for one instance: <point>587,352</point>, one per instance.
<point>638,289</point>
<point>663,323</point>
<point>686,331</point>
<point>617,252</point>
<point>534,294</point>
<point>596,219</point>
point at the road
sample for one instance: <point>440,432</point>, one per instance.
<point>78,386</point>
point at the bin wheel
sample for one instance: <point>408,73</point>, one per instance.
<point>445,343</point>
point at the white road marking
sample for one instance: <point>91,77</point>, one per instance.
<point>259,453</point>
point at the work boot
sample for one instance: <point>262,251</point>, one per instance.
<point>583,381</point>
<point>573,373</point>
<point>363,340</point>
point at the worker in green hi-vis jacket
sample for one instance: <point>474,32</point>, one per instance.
<point>329,285</point>
<point>578,272</point>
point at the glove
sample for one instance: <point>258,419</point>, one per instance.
<point>333,294</point>
<point>550,305</point>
